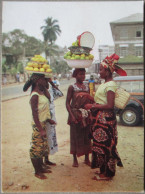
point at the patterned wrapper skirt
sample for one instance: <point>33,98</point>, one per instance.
<point>51,132</point>
<point>104,135</point>
<point>39,146</point>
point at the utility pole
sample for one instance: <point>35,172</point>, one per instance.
<point>24,53</point>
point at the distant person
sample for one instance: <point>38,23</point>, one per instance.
<point>56,82</point>
<point>77,96</point>
<point>18,77</point>
<point>104,123</point>
<point>68,76</point>
<point>39,102</point>
<point>92,85</point>
<point>51,128</point>
<point>5,80</point>
<point>59,76</point>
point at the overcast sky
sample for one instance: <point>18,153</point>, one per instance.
<point>73,18</point>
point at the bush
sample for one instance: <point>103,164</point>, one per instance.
<point>20,68</point>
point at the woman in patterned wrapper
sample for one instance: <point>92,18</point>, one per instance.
<point>104,124</point>
<point>40,116</point>
<point>77,96</point>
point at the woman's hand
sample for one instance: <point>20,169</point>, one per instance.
<point>73,120</point>
<point>52,122</point>
<point>88,106</point>
<point>43,133</point>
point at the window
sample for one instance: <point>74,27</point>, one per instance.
<point>123,51</point>
<point>138,51</point>
<point>138,33</point>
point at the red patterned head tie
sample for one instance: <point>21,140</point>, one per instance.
<point>110,61</point>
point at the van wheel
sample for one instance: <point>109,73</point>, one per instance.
<point>130,116</point>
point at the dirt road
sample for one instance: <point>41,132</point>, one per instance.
<point>17,171</point>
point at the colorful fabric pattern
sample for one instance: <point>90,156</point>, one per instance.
<point>110,61</point>
<point>51,129</point>
<point>104,135</point>
<point>39,145</point>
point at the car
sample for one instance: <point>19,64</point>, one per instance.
<point>133,113</point>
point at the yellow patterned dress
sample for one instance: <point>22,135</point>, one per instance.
<point>39,145</point>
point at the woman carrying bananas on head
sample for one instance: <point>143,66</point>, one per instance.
<point>40,116</point>
<point>104,124</point>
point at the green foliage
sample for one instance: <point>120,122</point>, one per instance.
<point>20,68</point>
<point>50,30</point>
<point>18,44</point>
<point>52,50</point>
<point>4,68</point>
<point>3,61</point>
<point>60,66</point>
<point>33,46</point>
<point>131,59</point>
<point>13,71</point>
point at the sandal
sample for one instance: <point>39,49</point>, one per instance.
<point>45,166</point>
<point>40,176</point>
<point>44,170</point>
<point>98,178</point>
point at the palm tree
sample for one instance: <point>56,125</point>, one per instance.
<point>50,32</point>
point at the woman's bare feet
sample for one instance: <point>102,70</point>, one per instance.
<point>75,161</point>
<point>101,177</point>
<point>75,164</point>
<point>40,175</point>
<point>97,171</point>
<point>87,161</point>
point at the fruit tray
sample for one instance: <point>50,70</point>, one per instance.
<point>38,72</point>
<point>79,63</point>
<point>80,50</point>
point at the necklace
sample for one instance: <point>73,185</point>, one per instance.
<point>80,85</point>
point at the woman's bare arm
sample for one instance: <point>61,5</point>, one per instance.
<point>34,107</point>
<point>68,101</point>
<point>108,106</point>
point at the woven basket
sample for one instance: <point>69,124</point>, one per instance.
<point>78,50</point>
<point>121,98</point>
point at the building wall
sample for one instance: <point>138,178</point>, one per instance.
<point>128,39</point>
<point>133,68</point>
<point>105,50</point>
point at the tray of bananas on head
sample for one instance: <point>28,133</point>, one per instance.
<point>39,65</point>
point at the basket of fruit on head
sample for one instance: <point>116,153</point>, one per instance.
<point>78,60</point>
<point>38,64</point>
<point>79,55</point>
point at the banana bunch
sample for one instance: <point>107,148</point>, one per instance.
<point>38,64</point>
